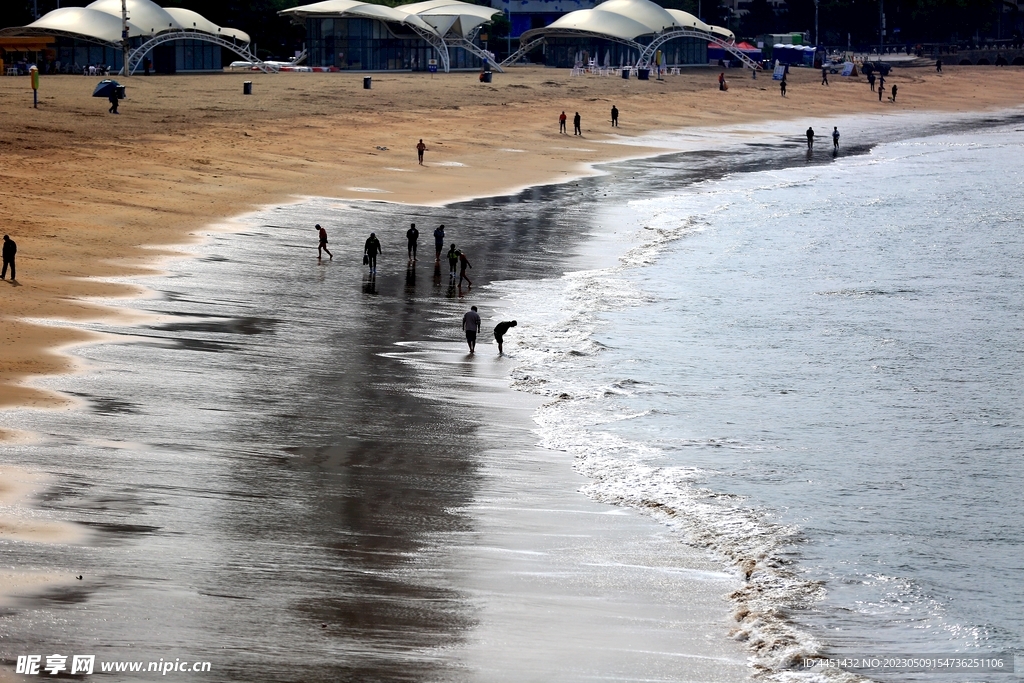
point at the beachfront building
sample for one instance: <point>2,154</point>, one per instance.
<point>170,39</point>
<point>627,32</point>
<point>360,36</point>
<point>525,15</point>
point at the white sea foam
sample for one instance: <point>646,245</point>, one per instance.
<point>552,361</point>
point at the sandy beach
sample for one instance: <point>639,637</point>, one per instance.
<point>88,195</point>
<point>291,446</point>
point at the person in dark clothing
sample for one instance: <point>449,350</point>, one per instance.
<point>463,265</point>
<point>371,250</point>
<point>453,260</point>
<point>824,75</point>
<point>438,243</point>
<point>871,81</point>
<point>499,333</point>
<point>113,101</point>
<point>615,117</point>
<point>881,87</point>
<point>835,137</point>
<point>412,234</point>
<point>894,89</point>
<point>10,249</point>
<point>323,244</point>
<point>420,149</point>
<point>782,86</point>
<point>576,124</point>
<point>938,66</point>
<point>810,138</point>
<point>471,324</point>
<point>561,123</point>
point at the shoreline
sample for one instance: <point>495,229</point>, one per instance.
<point>328,199</point>
<point>172,193</point>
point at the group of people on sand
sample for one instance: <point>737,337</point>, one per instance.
<point>577,122</point>
<point>457,260</point>
<point>810,139</point>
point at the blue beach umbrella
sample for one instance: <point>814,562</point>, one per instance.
<point>105,88</point>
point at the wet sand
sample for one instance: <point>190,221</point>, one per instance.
<point>89,196</point>
<point>344,444</point>
<point>297,474</point>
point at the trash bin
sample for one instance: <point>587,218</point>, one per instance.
<point>247,88</point>
<point>643,74</point>
<point>625,74</point>
<point>366,82</point>
<point>488,75</point>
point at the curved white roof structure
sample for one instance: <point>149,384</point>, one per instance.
<point>100,22</point>
<point>438,18</point>
<point>640,24</point>
<point>626,20</point>
<point>442,23</point>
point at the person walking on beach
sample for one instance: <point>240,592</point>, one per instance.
<point>810,138</point>
<point>782,86</point>
<point>420,149</point>
<point>835,138</point>
<point>453,261</point>
<point>113,101</point>
<point>499,333</point>
<point>881,86</point>
<point>438,243</point>
<point>615,117</point>
<point>370,251</point>
<point>323,244</point>
<point>412,234</point>
<point>10,249</point>
<point>871,81</point>
<point>561,124</point>
<point>721,81</point>
<point>463,265</point>
<point>824,75</point>
<point>576,125</point>
<point>894,89</point>
<point>938,66</point>
<point>471,324</point>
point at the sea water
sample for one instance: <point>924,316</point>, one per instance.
<point>814,371</point>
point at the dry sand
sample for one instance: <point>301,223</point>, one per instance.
<point>87,195</point>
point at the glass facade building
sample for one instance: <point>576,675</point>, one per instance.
<point>172,57</point>
<point>363,44</point>
<point>562,52</point>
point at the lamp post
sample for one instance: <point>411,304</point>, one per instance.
<point>817,36</point>
<point>124,37</point>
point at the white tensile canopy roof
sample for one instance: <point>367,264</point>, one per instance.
<point>626,20</point>
<point>101,22</point>
<point>438,17</point>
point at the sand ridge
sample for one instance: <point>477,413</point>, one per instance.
<point>87,195</point>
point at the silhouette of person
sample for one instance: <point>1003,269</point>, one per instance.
<point>323,244</point>
<point>499,333</point>
<point>412,235</point>
<point>9,251</point>
<point>471,324</point>
<point>371,249</point>
<point>463,265</point>
<point>438,243</point>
